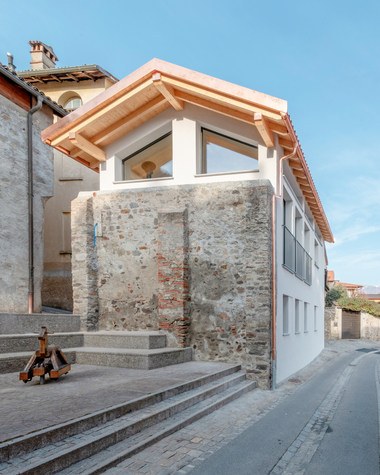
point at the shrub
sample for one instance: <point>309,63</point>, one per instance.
<point>360,305</point>
<point>334,294</point>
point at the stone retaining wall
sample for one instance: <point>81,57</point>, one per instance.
<point>194,261</point>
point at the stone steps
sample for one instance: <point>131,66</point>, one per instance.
<point>114,357</point>
<point>131,358</point>
<point>152,418</point>
<point>21,323</point>
<point>16,343</point>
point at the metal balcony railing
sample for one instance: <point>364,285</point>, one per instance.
<point>296,258</point>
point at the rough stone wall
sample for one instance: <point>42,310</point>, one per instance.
<point>229,267</point>
<point>14,203</point>
<point>333,323</point>
<point>370,326</point>
<point>84,264</point>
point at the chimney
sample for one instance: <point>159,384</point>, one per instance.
<point>11,66</point>
<point>43,56</point>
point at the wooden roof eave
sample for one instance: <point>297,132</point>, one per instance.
<point>306,184</point>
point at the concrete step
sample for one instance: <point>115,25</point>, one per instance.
<point>16,361</point>
<point>152,423</point>
<point>114,357</point>
<point>139,340</point>
<point>19,323</point>
<point>54,434</point>
<point>29,342</point>
<point>131,358</point>
<point>17,343</point>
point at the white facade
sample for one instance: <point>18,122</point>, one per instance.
<point>296,345</point>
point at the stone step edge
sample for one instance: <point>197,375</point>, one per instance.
<point>39,439</point>
<point>85,449</point>
<point>100,350</point>
<point>54,464</point>
<point>97,333</point>
<point>101,467</point>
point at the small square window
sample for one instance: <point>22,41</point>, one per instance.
<point>152,161</point>
<point>222,154</point>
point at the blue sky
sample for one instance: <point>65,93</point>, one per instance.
<point>323,57</point>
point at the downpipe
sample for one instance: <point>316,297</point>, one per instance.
<point>274,197</point>
<point>30,201</point>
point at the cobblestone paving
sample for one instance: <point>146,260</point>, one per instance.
<point>25,408</point>
<point>181,452</point>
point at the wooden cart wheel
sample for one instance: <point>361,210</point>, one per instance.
<point>42,379</point>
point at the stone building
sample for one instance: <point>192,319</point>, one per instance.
<point>207,225</point>
<point>70,87</point>
<point>26,170</point>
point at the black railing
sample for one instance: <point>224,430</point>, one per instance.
<point>296,258</point>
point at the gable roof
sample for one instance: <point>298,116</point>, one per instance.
<point>158,85</point>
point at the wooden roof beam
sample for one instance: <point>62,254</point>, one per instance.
<point>168,92</point>
<point>61,136</point>
<point>302,181</point>
<point>56,78</point>
<point>87,146</point>
<point>288,144</point>
<point>278,129</point>
<point>134,117</point>
<point>263,129</point>
<point>213,106</point>
<point>299,173</point>
<point>219,98</point>
<point>71,76</point>
<point>295,164</point>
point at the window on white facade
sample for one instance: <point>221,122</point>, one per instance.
<point>286,315</point>
<point>222,154</point>
<point>316,253</point>
<point>315,318</point>
<point>297,310</point>
<point>305,317</point>
<point>152,161</point>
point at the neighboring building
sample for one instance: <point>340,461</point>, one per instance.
<point>353,290</point>
<point>70,87</point>
<point>372,297</point>
<point>183,225</point>
<point>21,219</point>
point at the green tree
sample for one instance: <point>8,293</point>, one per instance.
<point>334,294</point>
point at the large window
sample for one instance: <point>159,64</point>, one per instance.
<point>222,154</point>
<point>152,161</point>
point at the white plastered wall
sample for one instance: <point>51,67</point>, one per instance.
<point>186,129</point>
<point>296,350</point>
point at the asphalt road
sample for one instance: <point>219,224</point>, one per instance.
<point>329,426</point>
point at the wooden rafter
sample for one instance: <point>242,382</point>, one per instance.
<point>131,119</point>
<point>219,98</point>
<point>263,129</point>
<point>295,164</point>
<point>168,92</point>
<point>87,146</point>
<point>213,106</point>
<point>302,180</point>
<point>38,80</point>
<point>288,144</point>
<point>61,136</point>
<point>278,129</point>
<point>71,76</point>
<point>299,173</point>
<point>75,152</point>
<point>56,78</point>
